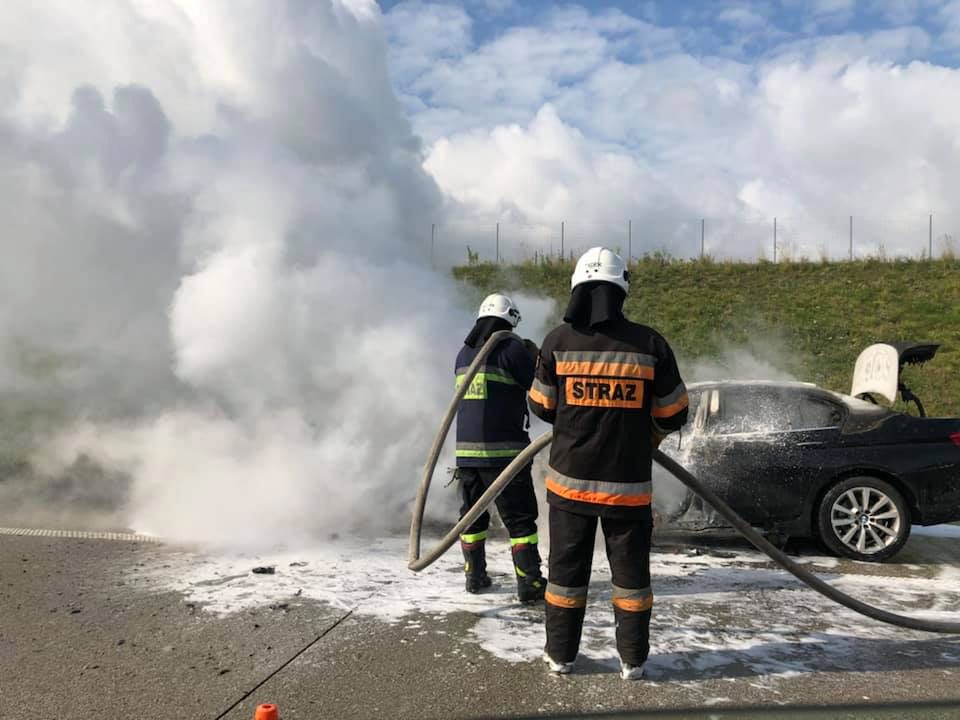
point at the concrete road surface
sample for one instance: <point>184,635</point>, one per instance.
<point>95,628</point>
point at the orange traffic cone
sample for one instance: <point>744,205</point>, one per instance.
<point>267,712</point>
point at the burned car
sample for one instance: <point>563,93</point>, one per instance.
<point>800,461</point>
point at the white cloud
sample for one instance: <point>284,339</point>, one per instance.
<point>533,176</point>
<point>897,12</point>
<point>494,7</point>
<point>422,34</point>
<point>898,45</point>
<point>742,17</point>
<point>821,17</point>
<point>814,131</point>
<point>831,7</point>
<point>507,78</point>
<point>533,169</point>
<point>871,137</point>
<point>949,15</point>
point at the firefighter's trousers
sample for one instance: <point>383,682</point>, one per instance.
<point>572,538</point>
<point>517,504</point>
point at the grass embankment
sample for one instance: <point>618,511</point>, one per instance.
<point>814,318</point>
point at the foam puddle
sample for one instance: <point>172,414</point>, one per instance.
<point>715,617</point>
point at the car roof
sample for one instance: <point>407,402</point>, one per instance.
<point>751,383</point>
<point>855,405</point>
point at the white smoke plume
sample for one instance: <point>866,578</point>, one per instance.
<point>211,264</point>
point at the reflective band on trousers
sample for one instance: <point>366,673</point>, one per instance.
<point>599,492</point>
<point>490,450</point>
<point>672,403</point>
<point>632,600</point>
<point>566,597</point>
<point>605,363</point>
<point>543,394</point>
<point>474,537</point>
<point>528,540</point>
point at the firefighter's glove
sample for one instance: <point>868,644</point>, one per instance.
<point>532,348</point>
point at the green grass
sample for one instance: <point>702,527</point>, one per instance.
<point>818,316</point>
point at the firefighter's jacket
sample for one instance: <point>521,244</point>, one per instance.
<point>606,389</point>
<point>492,416</point>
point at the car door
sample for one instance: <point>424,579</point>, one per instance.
<point>786,462</point>
<point>761,448</point>
<point>715,454</point>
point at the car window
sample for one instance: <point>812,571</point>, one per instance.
<point>693,407</point>
<point>861,406</point>
<point>751,410</point>
<point>818,412</point>
<point>738,410</point>
<point>699,405</point>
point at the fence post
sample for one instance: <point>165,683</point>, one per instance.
<point>703,223</point>
<point>498,243</point>
<point>930,239</point>
<point>561,238</point>
<point>851,238</point>
<point>774,238</point>
<point>629,241</point>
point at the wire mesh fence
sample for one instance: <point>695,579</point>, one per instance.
<point>777,239</point>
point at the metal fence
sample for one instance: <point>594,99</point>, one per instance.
<point>778,239</point>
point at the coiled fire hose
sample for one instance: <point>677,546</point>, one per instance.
<point>417,562</point>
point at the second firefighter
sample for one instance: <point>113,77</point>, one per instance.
<point>490,433</point>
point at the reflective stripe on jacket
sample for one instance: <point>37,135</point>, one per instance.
<point>491,418</point>
<point>606,390</point>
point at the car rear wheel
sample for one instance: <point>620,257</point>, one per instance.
<point>864,518</point>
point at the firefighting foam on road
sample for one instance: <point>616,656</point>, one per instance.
<point>706,620</point>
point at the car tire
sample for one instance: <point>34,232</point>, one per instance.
<point>871,531</point>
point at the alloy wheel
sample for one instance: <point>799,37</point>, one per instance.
<point>865,519</point>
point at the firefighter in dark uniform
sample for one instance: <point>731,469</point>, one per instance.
<point>491,431</point>
<point>612,390</point>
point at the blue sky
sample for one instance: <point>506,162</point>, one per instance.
<point>810,111</point>
<point>736,28</point>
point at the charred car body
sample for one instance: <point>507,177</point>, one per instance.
<point>801,461</point>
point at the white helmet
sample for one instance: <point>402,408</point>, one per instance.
<point>601,264</point>
<point>500,306</point>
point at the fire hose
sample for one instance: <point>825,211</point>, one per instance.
<point>418,562</point>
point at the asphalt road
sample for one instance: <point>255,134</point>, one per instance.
<point>83,636</point>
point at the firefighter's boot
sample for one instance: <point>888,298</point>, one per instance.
<point>475,562</point>
<point>526,561</point>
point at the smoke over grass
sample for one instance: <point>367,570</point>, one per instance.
<point>211,268</point>
<point>765,357</point>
